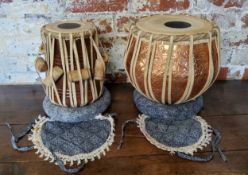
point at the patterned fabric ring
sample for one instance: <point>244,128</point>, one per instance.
<point>175,112</point>
<point>184,136</point>
<point>73,142</point>
<point>84,113</point>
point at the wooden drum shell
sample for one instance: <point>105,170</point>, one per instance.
<point>72,51</point>
<point>172,69</point>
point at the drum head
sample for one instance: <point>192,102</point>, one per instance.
<point>69,26</point>
<point>174,25</point>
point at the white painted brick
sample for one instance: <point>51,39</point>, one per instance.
<point>225,20</point>
<point>240,57</point>
<point>20,23</point>
<point>233,37</point>
<point>18,78</point>
<point>117,55</point>
<point>235,72</point>
<point>226,56</point>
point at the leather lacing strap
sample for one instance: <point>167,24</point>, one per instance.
<point>215,148</point>
<point>215,145</point>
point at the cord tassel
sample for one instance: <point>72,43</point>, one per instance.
<point>61,165</point>
<point>123,127</point>
<point>16,138</point>
<point>215,147</point>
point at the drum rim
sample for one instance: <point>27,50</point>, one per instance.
<point>84,27</point>
<point>198,25</point>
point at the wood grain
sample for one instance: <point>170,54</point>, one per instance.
<point>225,108</point>
<point>139,165</point>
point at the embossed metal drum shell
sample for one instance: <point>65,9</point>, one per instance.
<point>170,71</point>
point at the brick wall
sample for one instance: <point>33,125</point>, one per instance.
<point>20,22</point>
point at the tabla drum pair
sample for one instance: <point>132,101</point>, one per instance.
<point>172,59</point>
<point>164,63</point>
<point>169,59</point>
<point>74,66</point>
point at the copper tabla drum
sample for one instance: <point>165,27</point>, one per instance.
<point>73,64</point>
<point>172,59</point>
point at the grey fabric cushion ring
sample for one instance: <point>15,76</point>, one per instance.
<point>84,113</point>
<point>174,112</point>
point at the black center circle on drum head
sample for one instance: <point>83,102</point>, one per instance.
<point>177,24</point>
<point>69,25</point>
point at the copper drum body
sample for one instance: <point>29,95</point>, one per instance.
<point>172,59</point>
<point>71,53</point>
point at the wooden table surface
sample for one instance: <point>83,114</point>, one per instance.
<point>225,108</point>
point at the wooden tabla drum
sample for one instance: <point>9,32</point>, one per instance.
<point>72,61</point>
<point>172,58</point>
